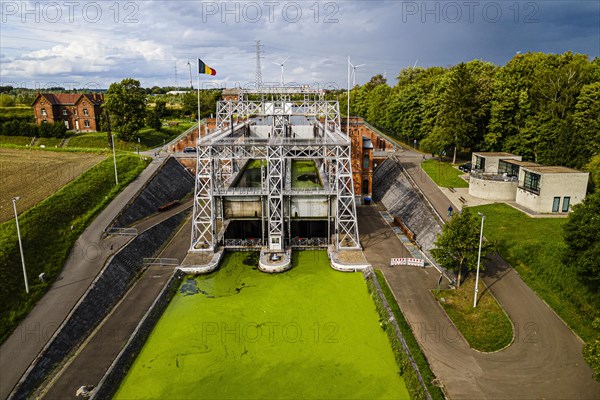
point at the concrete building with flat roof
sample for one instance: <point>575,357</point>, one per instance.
<point>503,176</point>
<point>549,189</point>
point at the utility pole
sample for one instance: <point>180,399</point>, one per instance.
<point>478,261</point>
<point>258,73</point>
<point>114,159</point>
<point>20,244</point>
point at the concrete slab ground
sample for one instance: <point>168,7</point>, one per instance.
<point>544,361</point>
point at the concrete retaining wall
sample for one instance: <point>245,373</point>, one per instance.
<point>492,190</point>
<point>170,183</point>
<point>111,381</point>
<point>402,200</point>
<point>106,290</point>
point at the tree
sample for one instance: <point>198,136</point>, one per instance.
<point>582,237</point>
<point>587,116</point>
<point>593,167</point>
<point>153,120</point>
<point>456,248</point>
<point>591,351</point>
<point>126,106</point>
<point>160,108</point>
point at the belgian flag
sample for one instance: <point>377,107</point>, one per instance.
<point>205,69</point>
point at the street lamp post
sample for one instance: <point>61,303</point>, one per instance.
<point>20,243</point>
<point>114,159</point>
<point>478,261</point>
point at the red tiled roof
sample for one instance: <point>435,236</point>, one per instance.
<point>72,98</point>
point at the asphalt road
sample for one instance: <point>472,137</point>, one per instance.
<point>544,361</point>
<point>95,356</point>
<point>86,259</point>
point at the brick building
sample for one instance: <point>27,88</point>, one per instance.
<point>79,112</point>
<point>368,151</point>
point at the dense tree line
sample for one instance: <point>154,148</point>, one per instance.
<point>545,107</point>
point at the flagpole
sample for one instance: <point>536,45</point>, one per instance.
<point>198,138</point>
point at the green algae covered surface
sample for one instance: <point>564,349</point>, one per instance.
<point>311,332</point>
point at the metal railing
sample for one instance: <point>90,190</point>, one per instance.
<point>161,261</point>
<point>309,242</point>
<point>242,242</point>
<point>122,231</point>
<point>493,177</point>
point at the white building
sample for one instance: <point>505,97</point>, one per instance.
<point>547,189</point>
<point>543,189</point>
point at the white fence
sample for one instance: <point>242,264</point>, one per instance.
<point>417,262</point>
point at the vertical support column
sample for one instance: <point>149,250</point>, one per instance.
<point>203,218</point>
<point>275,167</point>
<point>346,225</point>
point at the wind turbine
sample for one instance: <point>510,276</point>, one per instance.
<point>353,76</point>
<point>354,67</point>
<point>281,64</point>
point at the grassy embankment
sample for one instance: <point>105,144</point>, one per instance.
<point>444,174</point>
<point>534,246</point>
<point>49,230</point>
<point>149,138</point>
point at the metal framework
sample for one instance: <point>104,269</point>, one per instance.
<point>261,125</point>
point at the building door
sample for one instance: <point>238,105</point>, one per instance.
<point>556,204</point>
<point>67,124</point>
<point>77,124</point>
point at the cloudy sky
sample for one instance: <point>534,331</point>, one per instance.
<point>80,44</point>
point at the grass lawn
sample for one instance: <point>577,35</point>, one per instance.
<point>15,140</point>
<point>533,246</point>
<point>309,333</point>
<point>50,229</point>
<point>444,174</point>
<point>486,327</point>
<point>305,175</point>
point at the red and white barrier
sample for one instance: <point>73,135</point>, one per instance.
<point>417,262</point>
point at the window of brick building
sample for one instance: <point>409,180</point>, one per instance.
<point>44,111</point>
<point>86,123</point>
<point>64,111</point>
<point>85,111</point>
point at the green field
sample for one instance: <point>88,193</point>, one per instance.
<point>309,333</point>
<point>444,174</point>
<point>534,246</point>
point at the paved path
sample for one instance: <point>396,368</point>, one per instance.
<point>545,358</point>
<point>86,259</point>
<point>95,356</point>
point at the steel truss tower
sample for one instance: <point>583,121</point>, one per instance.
<point>274,125</point>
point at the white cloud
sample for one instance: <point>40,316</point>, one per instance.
<point>384,35</point>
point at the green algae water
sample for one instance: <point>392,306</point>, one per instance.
<point>238,333</point>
